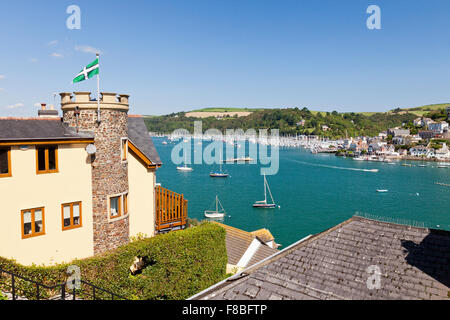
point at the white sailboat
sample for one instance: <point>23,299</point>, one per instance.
<point>185,167</point>
<point>263,203</point>
<point>215,214</point>
<point>220,173</point>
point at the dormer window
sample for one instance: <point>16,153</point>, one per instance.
<point>5,162</point>
<point>47,159</point>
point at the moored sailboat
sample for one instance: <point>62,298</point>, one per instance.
<point>185,167</point>
<point>215,214</point>
<point>263,203</point>
<point>220,173</point>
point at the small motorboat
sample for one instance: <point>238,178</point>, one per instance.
<point>185,168</point>
<point>407,164</point>
<point>382,190</point>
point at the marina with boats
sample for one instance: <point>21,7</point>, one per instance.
<point>317,184</point>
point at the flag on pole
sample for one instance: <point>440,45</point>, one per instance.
<point>88,72</point>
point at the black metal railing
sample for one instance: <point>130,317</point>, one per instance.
<point>39,291</point>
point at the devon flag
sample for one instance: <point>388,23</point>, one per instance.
<point>88,72</point>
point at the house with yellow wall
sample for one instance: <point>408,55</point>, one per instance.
<point>81,184</point>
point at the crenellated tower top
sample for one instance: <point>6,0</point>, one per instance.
<point>83,100</point>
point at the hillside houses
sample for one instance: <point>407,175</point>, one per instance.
<point>398,132</point>
<point>422,122</point>
<point>443,153</point>
<point>422,151</point>
<point>438,127</point>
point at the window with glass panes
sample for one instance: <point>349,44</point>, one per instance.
<point>33,222</point>
<point>47,159</point>
<point>115,206</point>
<point>5,162</point>
<point>71,215</point>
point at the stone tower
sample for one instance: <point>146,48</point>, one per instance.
<point>109,170</point>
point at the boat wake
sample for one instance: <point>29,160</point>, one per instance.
<point>333,167</point>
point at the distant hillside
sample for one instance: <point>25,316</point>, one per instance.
<point>290,121</point>
<point>421,111</point>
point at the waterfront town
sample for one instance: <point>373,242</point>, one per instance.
<point>422,139</point>
<point>425,140</point>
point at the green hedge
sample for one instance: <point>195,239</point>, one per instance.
<point>178,265</point>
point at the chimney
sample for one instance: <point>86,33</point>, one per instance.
<point>50,113</point>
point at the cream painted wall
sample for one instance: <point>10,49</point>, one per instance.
<point>141,197</point>
<point>26,190</point>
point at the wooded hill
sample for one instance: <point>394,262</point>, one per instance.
<point>289,121</point>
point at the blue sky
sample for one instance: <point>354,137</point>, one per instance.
<point>181,55</point>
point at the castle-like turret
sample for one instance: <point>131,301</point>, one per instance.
<point>109,164</point>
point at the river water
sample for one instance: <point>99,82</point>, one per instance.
<point>314,192</point>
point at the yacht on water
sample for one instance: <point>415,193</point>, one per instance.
<point>185,167</point>
<point>220,173</point>
<point>218,213</point>
<point>263,203</point>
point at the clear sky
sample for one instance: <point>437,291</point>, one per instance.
<point>181,55</point>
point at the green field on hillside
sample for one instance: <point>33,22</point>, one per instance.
<point>422,110</point>
<point>228,110</point>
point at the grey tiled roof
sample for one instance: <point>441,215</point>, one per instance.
<point>138,134</point>
<point>414,264</point>
<point>263,252</point>
<point>29,129</point>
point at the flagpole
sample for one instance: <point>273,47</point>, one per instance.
<point>98,90</point>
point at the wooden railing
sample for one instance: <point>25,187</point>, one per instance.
<point>171,210</point>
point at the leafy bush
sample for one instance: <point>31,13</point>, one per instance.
<point>178,265</point>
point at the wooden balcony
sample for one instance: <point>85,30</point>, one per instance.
<point>171,210</point>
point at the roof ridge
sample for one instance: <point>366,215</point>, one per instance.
<point>225,226</point>
<point>31,118</point>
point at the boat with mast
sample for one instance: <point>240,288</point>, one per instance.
<point>185,167</point>
<point>218,213</point>
<point>263,203</point>
<point>220,173</point>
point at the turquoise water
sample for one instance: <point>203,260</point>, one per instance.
<point>315,192</point>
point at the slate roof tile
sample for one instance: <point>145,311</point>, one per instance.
<point>139,136</point>
<point>37,129</point>
<point>414,264</point>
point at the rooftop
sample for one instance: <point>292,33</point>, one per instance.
<point>339,264</point>
<point>238,242</point>
<point>138,135</point>
<point>14,129</point>
<point>29,129</point>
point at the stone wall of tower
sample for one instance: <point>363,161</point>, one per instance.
<point>109,172</point>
